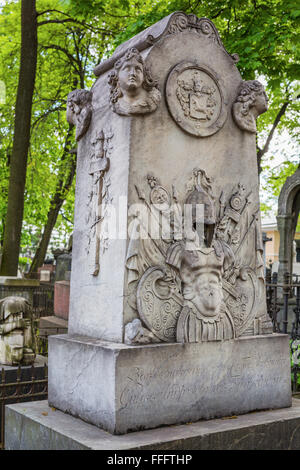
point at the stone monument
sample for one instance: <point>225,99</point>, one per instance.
<point>168,320</point>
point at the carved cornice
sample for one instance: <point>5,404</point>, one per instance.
<point>173,24</point>
<point>288,192</point>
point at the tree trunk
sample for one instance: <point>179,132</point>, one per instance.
<point>18,164</point>
<point>62,188</point>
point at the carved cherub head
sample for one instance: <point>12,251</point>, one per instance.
<point>79,110</point>
<point>133,90</point>
<point>250,103</point>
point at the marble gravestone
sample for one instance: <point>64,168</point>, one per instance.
<point>17,332</point>
<point>168,320</point>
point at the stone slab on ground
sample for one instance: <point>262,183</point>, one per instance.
<point>123,388</point>
<point>52,325</point>
<point>18,281</point>
<point>36,426</point>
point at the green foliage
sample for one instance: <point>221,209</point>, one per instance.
<point>58,72</point>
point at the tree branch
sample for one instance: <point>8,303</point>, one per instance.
<point>217,14</point>
<point>66,20</point>
<point>265,148</point>
<point>72,20</point>
<point>43,116</point>
<point>67,53</point>
<point>51,11</point>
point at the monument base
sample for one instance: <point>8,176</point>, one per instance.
<point>122,388</point>
<point>36,426</point>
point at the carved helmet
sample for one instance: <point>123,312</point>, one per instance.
<point>199,196</point>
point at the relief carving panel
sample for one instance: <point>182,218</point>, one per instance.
<point>192,284</point>
<point>98,199</point>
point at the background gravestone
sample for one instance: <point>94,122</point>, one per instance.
<point>176,320</point>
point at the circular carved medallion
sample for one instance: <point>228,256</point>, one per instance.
<point>195,99</point>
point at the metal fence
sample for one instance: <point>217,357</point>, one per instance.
<point>283,305</point>
<point>18,385</point>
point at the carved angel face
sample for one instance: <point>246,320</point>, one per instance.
<point>79,110</point>
<point>131,76</point>
<point>261,102</point>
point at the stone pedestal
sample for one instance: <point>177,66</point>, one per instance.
<point>124,388</point>
<point>39,427</point>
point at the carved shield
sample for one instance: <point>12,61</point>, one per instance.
<point>159,303</point>
<point>198,107</point>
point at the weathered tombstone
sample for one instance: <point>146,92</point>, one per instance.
<point>17,332</point>
<point>169,327</point>
<point>173,126</point>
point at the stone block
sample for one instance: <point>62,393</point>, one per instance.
<point>36,426</point>
<point>63,264</point>
<point>124,388</point>
<point>62,299</point>
<point>18,281</point>
<point>52,325</point>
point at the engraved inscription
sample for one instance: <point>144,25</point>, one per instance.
<point>183,383</point>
